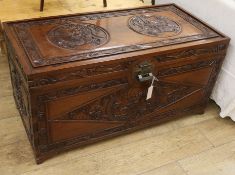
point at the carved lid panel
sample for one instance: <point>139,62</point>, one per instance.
<point>57,40</point>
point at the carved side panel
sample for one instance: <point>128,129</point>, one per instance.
<point>21,96</point>
<point>20,91</point>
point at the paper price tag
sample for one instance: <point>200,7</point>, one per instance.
<point>150,92</point>
<point>150,89</point>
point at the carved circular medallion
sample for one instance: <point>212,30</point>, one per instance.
<point>80,36</point>
<point>154,25</point>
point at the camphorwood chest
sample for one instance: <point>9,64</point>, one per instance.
<point>81,78</point>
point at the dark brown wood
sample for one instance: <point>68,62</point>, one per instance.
<point>2,43</point>
<point>41,5</point>
<point>82,78</point>
<point>105,3</point>
<point>153,2</point>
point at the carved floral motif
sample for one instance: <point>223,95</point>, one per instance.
<point>81,36</point>
<point>154,25</point>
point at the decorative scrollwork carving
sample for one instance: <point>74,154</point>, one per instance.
<point>153,119</point>
<point>14,58</point>
<point>74,90</point>
<point>81,73</point>
<point>191,52</point>
<point>130,104</point>
<point>17,85</point>
<point>42,99</point>
<point>154,25</point>
<point>81,36</point>
<point>186,67</point>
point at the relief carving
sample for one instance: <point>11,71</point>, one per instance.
<point>191,52</point>
<point>185,68</point>
<point>81,36</point>
<point>124,105</point>
<point>22,30</point>
<point>20,94</point>
<point>14,58</point>
<point>206,30</point>
<point>127,105</point>
<point>17,85</point>
<point>130,104</point>
<point>154,25</point>
<point>214,74</point>
<point>41,107</point>
<point>81,73</point>
<point>101,133</point>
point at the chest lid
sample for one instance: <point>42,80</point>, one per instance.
<point>73,38</point>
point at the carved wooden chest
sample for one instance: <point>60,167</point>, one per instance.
<point>81,78</point>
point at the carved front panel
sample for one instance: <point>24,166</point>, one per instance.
<point>91,111</point>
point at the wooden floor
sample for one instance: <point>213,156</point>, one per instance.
<point>193,145</point>
<point>24,9</point>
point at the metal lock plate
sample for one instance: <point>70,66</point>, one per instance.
<point>144,71</point>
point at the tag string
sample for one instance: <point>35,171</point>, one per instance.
<point>154,79</point>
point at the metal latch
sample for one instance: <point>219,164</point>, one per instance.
<point>144,71</point>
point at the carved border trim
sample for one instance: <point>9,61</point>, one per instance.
<point>81,73</point>
<point>206,30</point>
<point>14,58</point>
<point>187,67</point>
<point>191,52</point>
<point>122,66</point>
